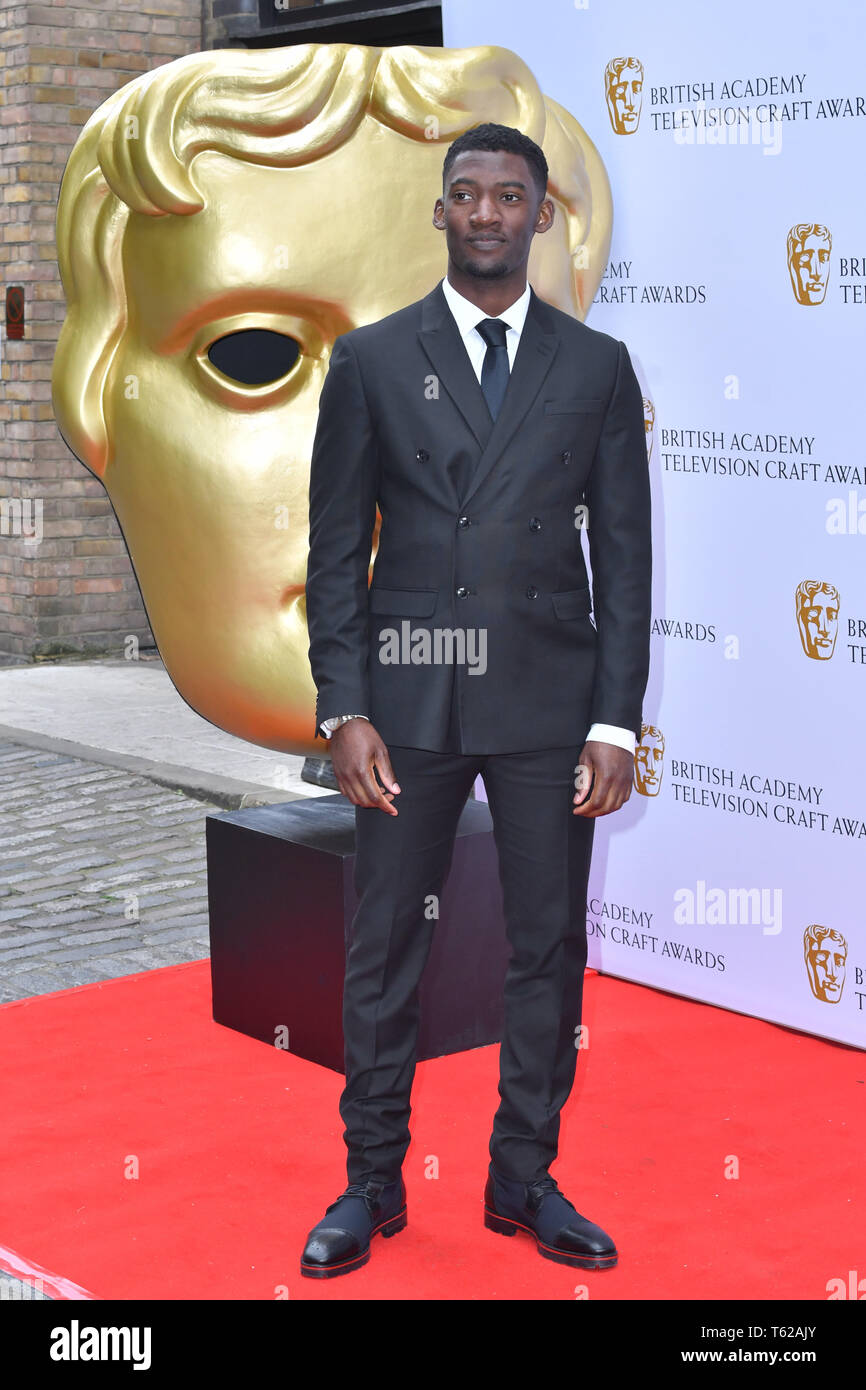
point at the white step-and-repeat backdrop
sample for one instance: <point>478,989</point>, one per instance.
<point>734,142</point>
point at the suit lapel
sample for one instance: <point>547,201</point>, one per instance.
<point>441,341</point>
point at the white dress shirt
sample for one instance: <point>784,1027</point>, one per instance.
<point>467,315</point>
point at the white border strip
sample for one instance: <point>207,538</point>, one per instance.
<point>55,1285</point>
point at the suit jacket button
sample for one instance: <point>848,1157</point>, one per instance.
<point>532,592</point>
<point>462,592</point>
<point>566,456</point>
<point>534,524</point>
<point>463,521</point>
<point>422,455</point>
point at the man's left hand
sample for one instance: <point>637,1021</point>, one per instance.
<point>607,779</point>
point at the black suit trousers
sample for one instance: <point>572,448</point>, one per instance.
<point>544,855</point>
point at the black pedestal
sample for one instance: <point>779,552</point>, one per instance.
<point>281,898</point>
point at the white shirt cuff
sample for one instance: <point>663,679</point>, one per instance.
<point>611,733</point>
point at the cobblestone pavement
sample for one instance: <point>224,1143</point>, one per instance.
<point>102,873</point>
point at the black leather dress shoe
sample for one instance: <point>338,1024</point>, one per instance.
<point>341,1240</point>
<point>561,1233</point>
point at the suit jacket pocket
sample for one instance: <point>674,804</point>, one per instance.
<point>404,603</point>
<point>572,406</point>
<point>574,603</point>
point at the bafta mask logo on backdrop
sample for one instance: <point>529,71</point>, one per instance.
<point>623,90</point>
<point>817,605</point>
<point>826,952</point>
<point>211,221</point>
<point>809,245</point>
<point>649,757</point>
<point>649,420</point>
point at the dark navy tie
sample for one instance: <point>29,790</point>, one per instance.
<point>494,372</point>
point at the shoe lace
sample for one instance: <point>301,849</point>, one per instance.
<point>545,1185</point>
<point>369,1191</point>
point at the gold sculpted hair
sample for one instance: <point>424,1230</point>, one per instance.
<point>651,731</point>
<point>815,934</point>
<point>798,234</point>
<point>278,107</point>
<point>807,590</point>
<point>617,65</point>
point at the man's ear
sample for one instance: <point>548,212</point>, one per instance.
<point>439,214</point>
<point>545,215</point>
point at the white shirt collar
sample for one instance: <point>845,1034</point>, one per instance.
<point>467,314</point>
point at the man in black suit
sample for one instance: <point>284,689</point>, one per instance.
<point>486,424</point>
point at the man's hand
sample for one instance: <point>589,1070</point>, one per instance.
<point>356,750</point>
<point>606,782</point>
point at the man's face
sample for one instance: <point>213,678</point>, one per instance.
<point>490,210</point>
<point>624,99</point>
<point>209,476</point>
<point>819,617</point>
<point>811,264</point>
<point>649,760</point>
<point>827,962</point>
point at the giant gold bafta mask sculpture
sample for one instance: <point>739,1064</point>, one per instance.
<point>288,191</point>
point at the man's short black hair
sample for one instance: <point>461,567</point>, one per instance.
<point>490,136</point>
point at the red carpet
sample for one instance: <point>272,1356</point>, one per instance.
<point>239,1150</point>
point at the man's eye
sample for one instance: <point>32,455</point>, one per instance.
<point>254,356</point>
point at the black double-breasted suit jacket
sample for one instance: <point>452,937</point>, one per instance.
<point>481,525</point>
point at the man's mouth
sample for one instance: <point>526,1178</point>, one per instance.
<point>485,241</point>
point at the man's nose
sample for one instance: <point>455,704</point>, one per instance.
<point>486,210</point>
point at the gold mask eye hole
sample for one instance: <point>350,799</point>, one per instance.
<point>254,356</point>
